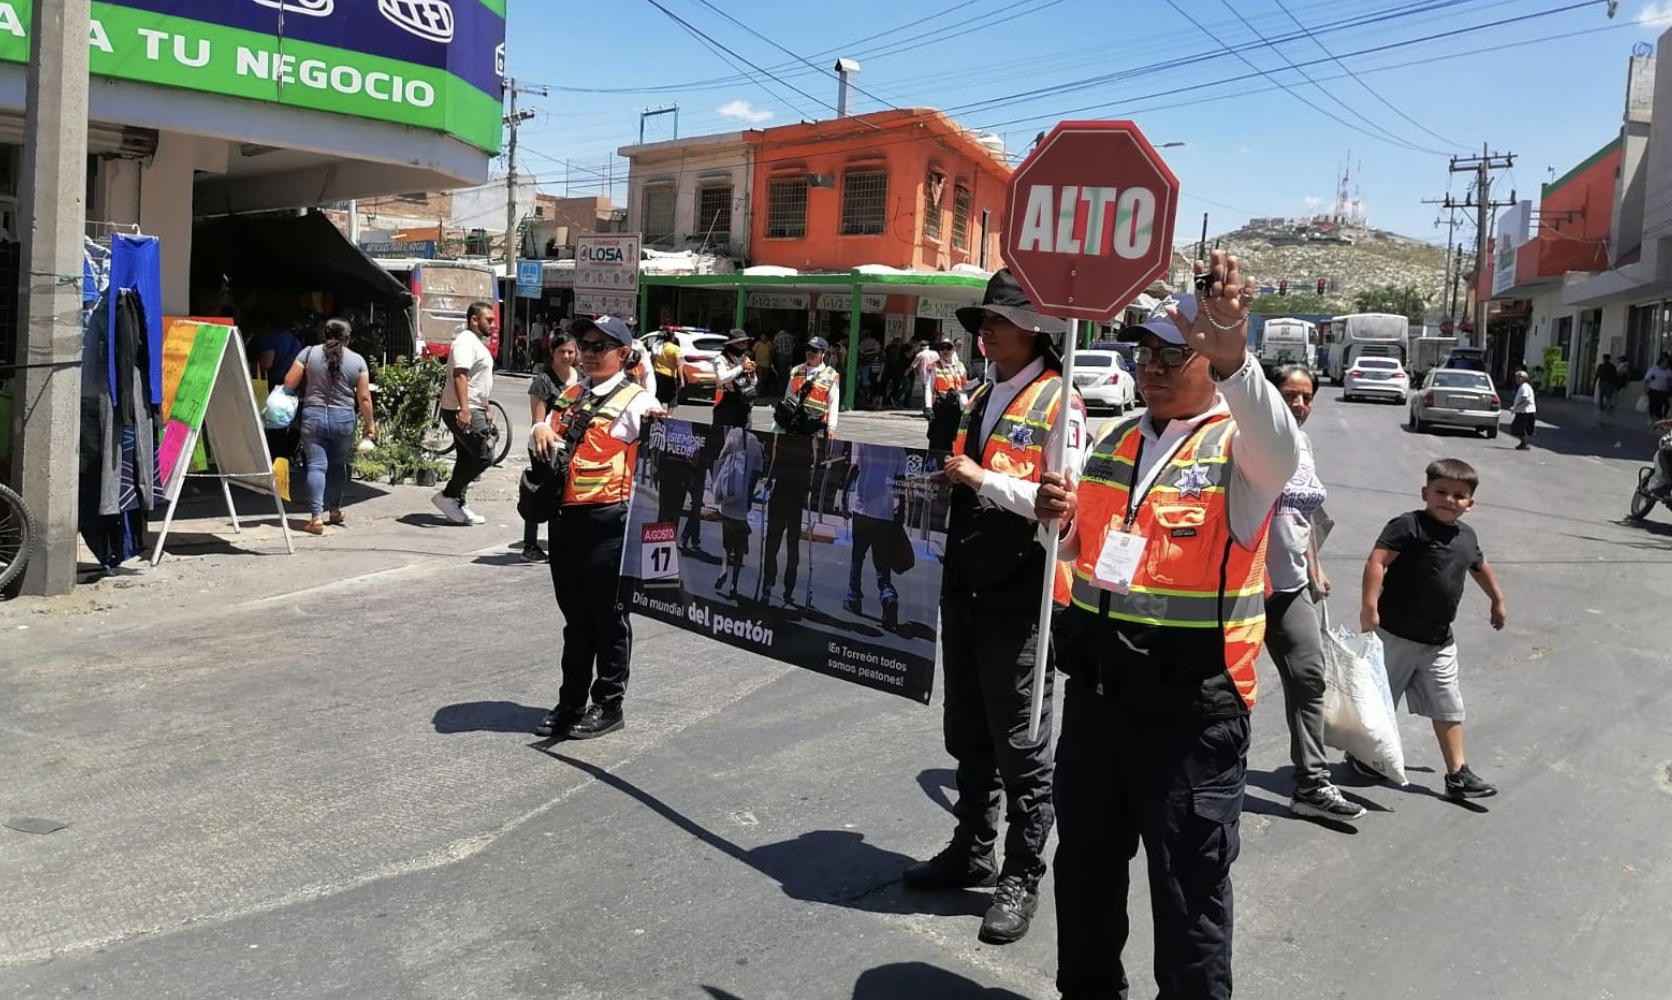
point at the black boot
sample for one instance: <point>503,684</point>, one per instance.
<point>957,866</point>
<point>1011,914</point>
<point>597,721</point>
<point>556,723</point>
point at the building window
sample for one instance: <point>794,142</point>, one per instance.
<point>714,204</point>
<point>786,210</point>
<point>961,219</point>
<point>658,212</point>
<point>864,202</point>
<point>934,190</point>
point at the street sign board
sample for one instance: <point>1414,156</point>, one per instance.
<point>607,274</point>
<point>529,272</point>
<point>1089,221</point>
<point>396,248</point>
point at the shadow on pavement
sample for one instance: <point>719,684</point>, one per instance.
<point>836,867</point>
<point>917,980</point>
<point>486,717</point>
<point>936,782</point>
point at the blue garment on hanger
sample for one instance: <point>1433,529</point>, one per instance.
<point>136,263</point>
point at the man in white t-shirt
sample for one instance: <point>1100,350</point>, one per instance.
<point>464,408</point>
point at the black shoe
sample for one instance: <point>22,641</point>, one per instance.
<point>597,722</point>
<point>557,722</point>
<point>534,554</point>
<point>720,584</point>
<point>1011,914</point>
<point>955,867</point>
<point>854,605</point>
<point>1325,803</point>
<point>890,613</point>
<point>1466,784</point>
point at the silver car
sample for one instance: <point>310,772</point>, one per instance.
<point>1375,378</point>
<point>1456,398</point>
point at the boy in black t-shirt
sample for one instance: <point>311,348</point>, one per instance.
<point>1413,582</point>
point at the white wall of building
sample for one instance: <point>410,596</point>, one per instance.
<point>690,164</point>
<point>157,195</point>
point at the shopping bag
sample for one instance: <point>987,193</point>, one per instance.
<point>1642,404</point>
<point>1358,704</point>
<point>280,409</point>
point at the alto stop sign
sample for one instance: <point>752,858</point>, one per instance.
<point>1089,222</point>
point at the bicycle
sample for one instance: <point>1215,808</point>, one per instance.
<point>438,437</point>
<point>17,535</point>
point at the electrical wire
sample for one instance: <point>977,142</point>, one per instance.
<point>713,45</point>
<point>830,73</point>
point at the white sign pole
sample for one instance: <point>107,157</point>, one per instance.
<point>1056,459</point>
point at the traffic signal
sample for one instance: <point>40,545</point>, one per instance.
<point>1320,286</point>
<point>1283,287</point>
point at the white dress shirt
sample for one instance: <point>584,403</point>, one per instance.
<point>630,424</point>
<point>1008,492</point>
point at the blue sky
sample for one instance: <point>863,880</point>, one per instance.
<point>1549,87</point>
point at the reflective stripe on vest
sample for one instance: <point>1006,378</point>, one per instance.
<point>949,377</point>
<point>601,469</point>
<point>818,400</point>
<point>1194,575</point>
<point>1017,445</point>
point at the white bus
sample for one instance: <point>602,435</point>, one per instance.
<point>1289,341</point>
<point>1366,335</point>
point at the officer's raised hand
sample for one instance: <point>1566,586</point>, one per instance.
<point>1056,500</point>
<point>1223,298</point>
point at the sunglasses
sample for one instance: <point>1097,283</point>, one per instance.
<point>1170,357</point>
<point>590,346</point>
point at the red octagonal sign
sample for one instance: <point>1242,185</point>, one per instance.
<point>1089,222</point>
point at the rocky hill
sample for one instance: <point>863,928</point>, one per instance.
<point>1350,260</point>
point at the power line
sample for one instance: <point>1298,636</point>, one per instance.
<point>793,55</point>
<point>713,44</point>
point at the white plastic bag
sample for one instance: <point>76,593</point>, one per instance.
<point>1642,404</point>
<point>1358,705</point>
<point>280,409</point>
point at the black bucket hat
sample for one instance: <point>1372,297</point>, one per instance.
<point>1006,298</point>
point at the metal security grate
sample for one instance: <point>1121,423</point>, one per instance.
<point>864,202</point>
<point>658,213</point>
<point>961,219</point>
<point>786,212</point>
<point>714,205</point>
<point>934,191</point>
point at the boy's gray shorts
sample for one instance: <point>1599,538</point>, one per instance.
<point>1425,676</point>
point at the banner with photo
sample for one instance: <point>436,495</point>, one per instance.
<point>821,554</point>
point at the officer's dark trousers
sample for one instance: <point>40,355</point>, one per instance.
<point>988,662</point>
<point>1125,775</point>
<point>586,569</point>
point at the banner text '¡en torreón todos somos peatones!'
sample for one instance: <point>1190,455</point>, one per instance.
<point>435,64</point>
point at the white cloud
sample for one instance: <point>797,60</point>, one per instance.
<point>743,111</point>
<point>1312,201</point>
<point>1656,14</point>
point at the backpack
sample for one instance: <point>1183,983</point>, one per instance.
<point>731,478</point>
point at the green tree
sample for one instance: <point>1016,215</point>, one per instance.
<point>1295,304</point>
<point>1401,300</point>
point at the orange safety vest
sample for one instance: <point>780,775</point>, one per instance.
<point>1017,445</point>
<point>1195,580</point>
<point>601,469</point>
<point>949,377</point>
<point>824,388</point>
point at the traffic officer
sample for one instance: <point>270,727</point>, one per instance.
<point>993,571</point>
<point>592,435</point>
<point>802,420</point>
<point>943,400</point>
<point>1167,533</point>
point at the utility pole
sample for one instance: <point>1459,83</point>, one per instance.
<point>1453,256</point>
<point>1202,244</point>
<point>47,470</point>
<point>1481,201</point>
<point>514,118</point>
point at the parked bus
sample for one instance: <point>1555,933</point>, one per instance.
<point>1289,341</point>
<point>1379,335</point>
<point>442,290</point>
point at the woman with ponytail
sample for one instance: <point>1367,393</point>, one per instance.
<point>332,380</point>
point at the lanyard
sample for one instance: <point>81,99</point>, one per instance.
<point>1134,498</point>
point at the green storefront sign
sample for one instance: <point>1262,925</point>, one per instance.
<point>433,64</point>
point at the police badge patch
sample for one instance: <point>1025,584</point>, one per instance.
<point>1020,437</point>
<point>1193,479</point>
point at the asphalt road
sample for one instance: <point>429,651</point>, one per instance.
<point>334,795</point>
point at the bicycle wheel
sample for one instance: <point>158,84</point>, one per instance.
<point>17,536</point>
<point>502,423</point>
<point>438,437</point>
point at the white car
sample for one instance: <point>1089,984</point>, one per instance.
<point>1376,378</point>
<point>1103,381</point>
<point>697,349</point>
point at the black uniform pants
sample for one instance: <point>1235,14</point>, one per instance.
<point>597,637</point>
<point>988,663</point>
<point>1175,784</point>
<point>785,511</point>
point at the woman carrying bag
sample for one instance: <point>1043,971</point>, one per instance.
<point>332,380</point>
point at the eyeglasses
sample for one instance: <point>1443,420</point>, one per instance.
<point>1170,357</point>
<point>589,346</point>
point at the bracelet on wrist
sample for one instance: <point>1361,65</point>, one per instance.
<point>1221,326</point>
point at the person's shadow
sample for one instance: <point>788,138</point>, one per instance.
<point>486,717</point>
<point>836,867</point>
<point>917,980</point>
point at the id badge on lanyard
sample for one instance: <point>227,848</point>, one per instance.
<point>1123,548</point>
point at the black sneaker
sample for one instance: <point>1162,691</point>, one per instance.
<point>1364,770</point>
<point>1325,803</point>
<point>1011,914</point>
<point>597,722</point>
<point>1466,784</point>
<point>955,867</point>
<point>853,605</point>
<point>557,722</point>
<point>534,554</point>
<point>890,613</point>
